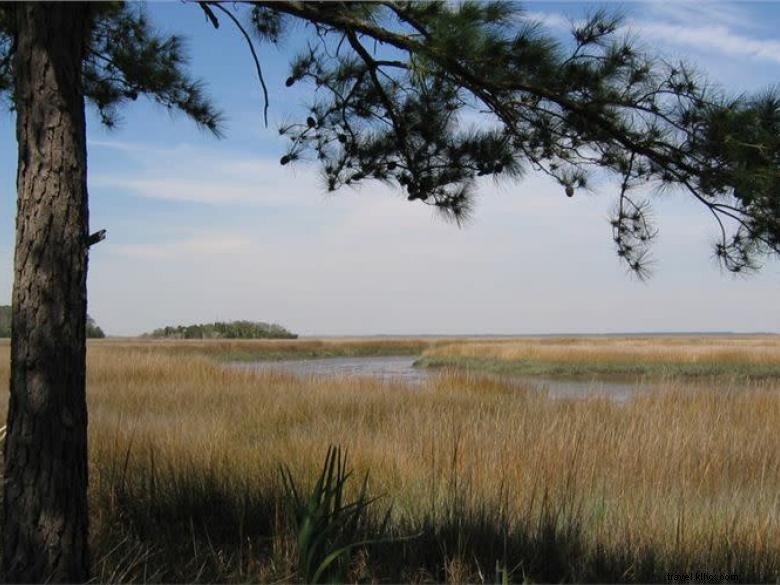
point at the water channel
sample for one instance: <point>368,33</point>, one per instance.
<point>401,368</point>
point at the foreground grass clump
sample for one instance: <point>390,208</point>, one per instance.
<point>185,484</point>
<point>328,526</point>
<point>752,357</point>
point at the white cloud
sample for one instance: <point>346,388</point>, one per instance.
<point>700,11</point>
<point>212,176</point>
<point>713,38</point>
<point>213,190</point>
<point>128,147</point>
<point>210,245</point>
<point>705,26</point>
<point>550,19</point>
<point>532,261</point>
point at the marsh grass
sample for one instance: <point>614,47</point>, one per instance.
<point>185,486</point>
<point>280,349</point>
<point>750,357</point>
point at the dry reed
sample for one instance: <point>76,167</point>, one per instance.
<point>186,451</point>
<point>755,349</point>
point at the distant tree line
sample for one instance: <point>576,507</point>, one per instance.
<point>5,320</point>
<point>93,330</point>
<point>222,330</point>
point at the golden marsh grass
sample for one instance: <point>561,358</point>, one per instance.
<point>750,357</point>
<point>272,349</point>
<point>185,486</point>
<point>735,350</point>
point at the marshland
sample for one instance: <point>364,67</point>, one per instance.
<point>476,477</point>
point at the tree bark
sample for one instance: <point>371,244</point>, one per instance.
<point>45,478</point>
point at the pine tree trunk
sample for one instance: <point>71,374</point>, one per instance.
<point>45,478</point>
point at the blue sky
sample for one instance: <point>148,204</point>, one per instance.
<point>202,229</point>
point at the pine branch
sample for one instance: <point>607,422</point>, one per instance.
<point>252,50</point>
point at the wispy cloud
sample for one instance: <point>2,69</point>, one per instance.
<point>119,145</point>
<point>550,19</point>
<point>207,245</point>
<point>712,38</point>
<point>699,11</point>
<point>212,191</point>
<point>204,175</point>
<point>714,28</point>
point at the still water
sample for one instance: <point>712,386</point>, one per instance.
<point>401,368</point>
<point>384,368</point>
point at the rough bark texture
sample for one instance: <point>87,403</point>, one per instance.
<point>45,478</point>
